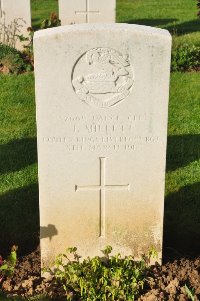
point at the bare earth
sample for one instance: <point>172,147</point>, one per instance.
<point>166,282</point>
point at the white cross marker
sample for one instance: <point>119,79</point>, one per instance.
<point>87,12</point>
<point>102,188</point>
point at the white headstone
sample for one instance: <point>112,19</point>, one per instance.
<point>86,11</point>
<point>102,103</point>
<point>15,18</point>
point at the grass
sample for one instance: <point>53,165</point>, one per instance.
<point>41,10</point>
<point>182,210</point>
<point>19,207</point>
<point>18,157</point>
<point>19,217</point>
<point>179,17</point>
<point>182,187</point>
<point>18,163</point>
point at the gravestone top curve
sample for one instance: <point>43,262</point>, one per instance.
<point>100,27</point>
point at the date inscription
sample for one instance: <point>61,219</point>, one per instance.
<point>103,133</point>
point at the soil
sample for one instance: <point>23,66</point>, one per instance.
<point>166,282</point>
<point>4,69</point>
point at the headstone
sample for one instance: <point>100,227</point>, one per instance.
<point>102,103</point>
<point>15,18</point>
<point>86,11</point>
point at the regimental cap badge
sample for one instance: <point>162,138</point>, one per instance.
<point>102,77</point>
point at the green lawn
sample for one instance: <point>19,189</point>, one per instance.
<point>182,207</point>
<point>41,9</point>
<point>18,168</point>
<point>179,16</point>
<point>18,163</point>
<point>19,209</point>
<point>18,155</point>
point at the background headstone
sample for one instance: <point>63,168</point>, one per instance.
<point>15,18</point>
<point>87,11</point>
<point>102,103</point>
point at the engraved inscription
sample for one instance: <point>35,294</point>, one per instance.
<point>102,77</point>
<point>87,12</point>
<point>102,188</point>
<point>103,143</point>
<point>105,133</point>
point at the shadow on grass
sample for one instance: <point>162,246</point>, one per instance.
<point>36,23</point>
<point>182,150</point>
<point>17,154</point>
<point>19,209</point>
<point>151,22</point>
<point>19,220</point>
<point>178,29</point>
<point>185,27</point>
<point>182,222</point>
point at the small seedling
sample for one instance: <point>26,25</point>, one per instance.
<point>53,21</point>
<point>190,292</point>
<point>100,278</point>
<point>7,266</point>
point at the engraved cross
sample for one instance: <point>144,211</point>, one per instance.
<point>87,12</point>
<point>102,188</point>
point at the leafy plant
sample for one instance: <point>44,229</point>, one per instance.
<point>190,293</point>
<point>53,21</point>
<point>198,6</point>
<point>28,49</point>
<point>12,60</point>
<point>7,266</point>
<point>7,50</point>
<point>185,58</point>
<point>100,279</point>
<point>28,55</point>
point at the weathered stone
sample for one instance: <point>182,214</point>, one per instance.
<point>15,18</point>
<point>102,102</point>
<point>87,11</point>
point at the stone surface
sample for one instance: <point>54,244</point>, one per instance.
<point>86,11</point>
<point>15,18</point>
<point>102,104</point>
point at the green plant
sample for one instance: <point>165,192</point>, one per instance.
<point>190,293</point>
<point>7,266</point>
<point>7,50</point>
<point>185,58</point>
<point>53,21</point>
<point>28,55</point>
<point>12,60</point>
<point>198,6</point>
<point>100,279</point>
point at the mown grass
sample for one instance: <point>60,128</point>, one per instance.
<point>179,17</point>
<point>19,218</point>
<point>182,202</point>
<point>18,164</point>
<point>41,10</point>
<point>18,155</point>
